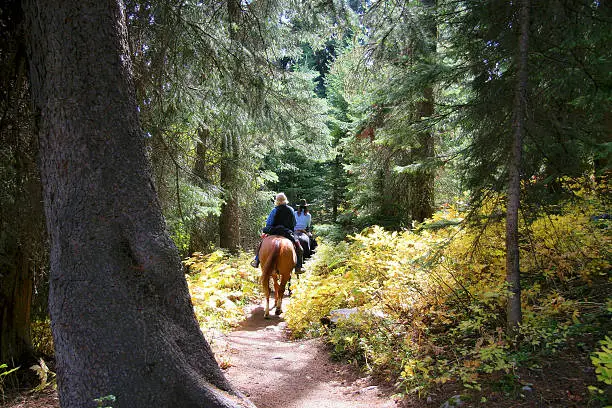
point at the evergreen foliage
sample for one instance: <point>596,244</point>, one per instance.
<point>568,90</point>
<point>226,68</point>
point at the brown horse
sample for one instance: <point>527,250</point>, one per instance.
<point>278,258</point>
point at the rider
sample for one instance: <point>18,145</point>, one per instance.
<point>303,226</point>
<point>281,221</point>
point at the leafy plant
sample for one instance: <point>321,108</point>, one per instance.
<point>602,360</point>
<point>221,285</point>
<point>46,376</point>
<point>102,401</point>
<point>431,303</point>
<point>42,339</point>
<point>4,373</point>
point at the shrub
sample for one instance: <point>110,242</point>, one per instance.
<point>42,339</point>
<point>5,373</point>
<point>602,360</point>
<point>431,303</point>
<point>329,232</point>
<point>220,285</point>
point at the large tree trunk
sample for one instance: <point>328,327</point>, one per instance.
<point>514,175</point>
<point>122,319</point>
<point>229,220</point>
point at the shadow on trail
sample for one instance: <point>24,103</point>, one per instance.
<point>276,372</point>
<point>256,321</point>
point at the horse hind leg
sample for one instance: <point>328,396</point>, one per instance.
<point>281,292</point>
<point>265,282</point>
<point>276,289</point>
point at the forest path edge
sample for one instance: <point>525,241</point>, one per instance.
<point>275,371</point>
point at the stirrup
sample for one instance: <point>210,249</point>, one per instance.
<point>255,263</point>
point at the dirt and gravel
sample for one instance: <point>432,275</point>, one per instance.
<point>276,372</point>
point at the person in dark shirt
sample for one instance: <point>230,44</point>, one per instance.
<point>281,221</point>
<point>281,215</point>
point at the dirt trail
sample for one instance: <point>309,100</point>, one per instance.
<point>275,372</point>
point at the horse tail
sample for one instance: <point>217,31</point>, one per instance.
<point>270,265</point>
<point>271,261</point>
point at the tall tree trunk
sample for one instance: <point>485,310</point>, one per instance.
<point>15,304</point>
<point>199,236</point>
<point>122,319</point>
<point>21,242</point>
<point>514,174</point>
<point>22,234</point>
<point>229,220</point>
<point>336,187</point>
<point>422,188</point>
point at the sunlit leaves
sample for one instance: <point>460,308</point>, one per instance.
<point>220,285</point>
<point>431,304</point>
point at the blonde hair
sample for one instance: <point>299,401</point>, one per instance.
<point>281,198</point>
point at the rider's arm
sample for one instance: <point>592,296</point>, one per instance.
<point>270,218</point>
<point>292,220</point>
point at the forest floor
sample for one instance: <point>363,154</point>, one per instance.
<point>275,371</point>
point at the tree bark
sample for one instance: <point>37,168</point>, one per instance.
<point>229,220</point>
<point>203,232</point>
<point>15,304</point>
<point>122,319</point>
<point>513,275</point>
<point>336,186</point>
<point>22,237</point>
<point>422,188</point>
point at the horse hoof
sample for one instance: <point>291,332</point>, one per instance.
<point>267,317</point>
<point>278,312</point>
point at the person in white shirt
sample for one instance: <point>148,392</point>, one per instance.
<point>303,228</point>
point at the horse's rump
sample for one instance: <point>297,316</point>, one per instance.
<point>278,259</point>
<point>276,252</point>
<point>305,242</point>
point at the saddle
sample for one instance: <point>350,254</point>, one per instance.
<point>284,232</point>
<point>280,230</point>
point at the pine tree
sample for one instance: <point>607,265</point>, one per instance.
<point>532,107</point>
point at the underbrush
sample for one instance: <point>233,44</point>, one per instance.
<point>221,285</point>
<point>429,306</point>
